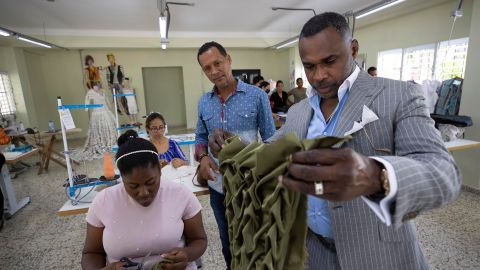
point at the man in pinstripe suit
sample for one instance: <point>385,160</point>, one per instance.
<point>364,196</point>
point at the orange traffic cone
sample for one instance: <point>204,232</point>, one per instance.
<point>108,171</point>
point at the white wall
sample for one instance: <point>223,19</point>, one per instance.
<point>469,160</point>
<point>59,73</point>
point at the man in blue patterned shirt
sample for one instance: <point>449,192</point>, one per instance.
<point>232,106</point>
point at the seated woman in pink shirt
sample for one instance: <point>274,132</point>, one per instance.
<point>142,215</point>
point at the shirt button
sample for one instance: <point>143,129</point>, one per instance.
<point>317,213</point>
<point>138,249</point>
<point>324,133</point>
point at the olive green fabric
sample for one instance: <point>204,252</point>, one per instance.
<point>267,224</point>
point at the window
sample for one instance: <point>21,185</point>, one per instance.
<point>441,61</point>
<point>7,103</point>
<point>390,64</point>
<point>451,59</point>
<point>418,63</point>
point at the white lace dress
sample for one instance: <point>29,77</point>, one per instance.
<point>101,131</point>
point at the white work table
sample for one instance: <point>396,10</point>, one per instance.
<point>182,175</point>
<point>185,174</point>
<point>461,144</point>
<point>6,183</point>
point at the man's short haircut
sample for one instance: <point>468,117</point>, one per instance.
<point>371,69</point>
<point>320,22</point>
<point>298,79</point>
<point>279,81</point>
<point>207,46</point>
<point>256,79</point>
<point>263,84</point>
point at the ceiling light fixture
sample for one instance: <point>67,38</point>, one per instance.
<point>296,9</point>
<point>4,33</point>
<point>356,15</point>
<point>294,39</point>
<point>30,40</point>
<point>376,8</point>
<point>164,19</point>
<point>7,32</point>
<point>286,43</point>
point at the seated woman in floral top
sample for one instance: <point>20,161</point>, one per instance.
<point>168,150</point>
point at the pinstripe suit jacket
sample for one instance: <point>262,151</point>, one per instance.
<point>426,173</point>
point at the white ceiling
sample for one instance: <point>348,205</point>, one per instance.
<point>208,18</point>
<point>100,17</point>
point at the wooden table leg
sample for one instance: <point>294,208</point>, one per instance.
<point>42,159</point>
<point>49,151</point>
<point>62,155</point>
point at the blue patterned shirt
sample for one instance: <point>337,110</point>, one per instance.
<point>174,151</point>
<point>318,217</point>
<point>246,112</point>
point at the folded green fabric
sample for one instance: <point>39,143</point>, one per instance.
<point>267,224</point>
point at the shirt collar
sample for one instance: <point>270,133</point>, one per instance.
<point>344,87</point>
<point>240,88</point>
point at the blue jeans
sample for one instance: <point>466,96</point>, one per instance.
<point>217,202</point>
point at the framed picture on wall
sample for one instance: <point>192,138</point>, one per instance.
<point>246,75</point>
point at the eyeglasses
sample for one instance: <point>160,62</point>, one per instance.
<point>154,128</point>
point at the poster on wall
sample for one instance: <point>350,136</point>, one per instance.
<point>246,75</point>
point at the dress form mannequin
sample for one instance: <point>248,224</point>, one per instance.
<point>132,107</point>
<point>102,133</point>
<point>115,77</point>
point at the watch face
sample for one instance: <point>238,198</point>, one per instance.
<point>385,182</point>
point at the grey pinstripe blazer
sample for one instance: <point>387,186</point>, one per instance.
<point>426,173</point>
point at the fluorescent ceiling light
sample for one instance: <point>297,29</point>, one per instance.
<point>162,21</point>
<point>381,7</point>
<point>39,43</point>
<point>286,43</point>
<point>4,33</point>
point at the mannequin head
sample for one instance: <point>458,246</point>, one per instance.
<point>89,60</point>
<point>111,59</point>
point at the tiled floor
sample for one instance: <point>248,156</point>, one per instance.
<point>36,238</point>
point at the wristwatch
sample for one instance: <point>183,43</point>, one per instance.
<point>202,156</point>
<point>384,181</point>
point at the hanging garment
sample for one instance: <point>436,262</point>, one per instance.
<point>101,130</point>
<point>449,97</point>
<point>92,76</point>
<point>267,224</point>
<point>131,101</point>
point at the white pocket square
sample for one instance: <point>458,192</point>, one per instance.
<point>368,116</point>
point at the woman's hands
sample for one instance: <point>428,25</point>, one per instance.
<point>176,259</point>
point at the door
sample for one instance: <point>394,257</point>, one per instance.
<point>164,93</point>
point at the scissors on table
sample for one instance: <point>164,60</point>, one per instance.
<point>128,263</point>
